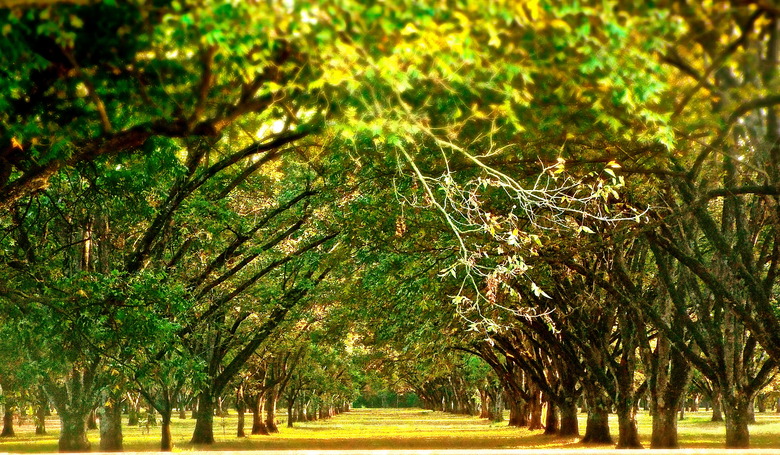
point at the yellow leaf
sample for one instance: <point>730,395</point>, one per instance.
<point>560,24</point>
<point>409,29</point>
<point>76,21</point>
<point>614,164</point>
<point>15,144</point>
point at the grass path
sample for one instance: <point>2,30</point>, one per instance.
<point>406,429</point>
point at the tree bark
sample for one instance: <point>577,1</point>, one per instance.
<point>664,434</point>
<point>134,408</point>
<point>484,400</point>
<point>717,410</point>
<point>628,435</point>
<point>270,412</point>
<point>240,411</point>
<point>737,419</point>
<point>258,426</point>
<point>552,422</point>
<point>535,411</point>
<point>166,440</point>
<point>8,421</point>
<point>597,426</point>
<point>666,393</point>
<point>40,416</point>
<point>132,417</point>
<point>111,427</point>
<point>761,402</point>
<point>92,421</point>
<point>204,425</point>
<point>516,413</point>
<point>569,423</point>
<point>240,433</point>
<point>290,414</point>
<point>73,432</point>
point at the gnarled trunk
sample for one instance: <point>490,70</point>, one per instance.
<point>664,434</point>
<point>73,431</point>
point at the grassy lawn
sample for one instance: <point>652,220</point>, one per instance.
<point>395,429</point>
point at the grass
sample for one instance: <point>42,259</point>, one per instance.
<point>394,429</point>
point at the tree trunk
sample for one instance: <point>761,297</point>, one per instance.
<point>240,411</point>
<point>761,401</point>
<point>290,414</point>
<point>516,410</point>
<point>40,417</point>
<point>8,421</point>
<point>496,408</point>
<point>204,425</point>
<point>597,426</point>
<point>258,426</point>
<point>535,411</point>
<point>666,392</point>
<point>664,434</point>
<point>111,427</point>
<point>151,417</point>
<point>92,421</point>
<point>134,410</point>
<point>717,411</point>
<point>569,423</point>
<point>240,425</point>
<point>552,424</point>
<point>628,436</point>
<point>166,440</point>
<point>737,419</point>
<point>73,432</point>
<point>132,417</point>
<point>220,410</point>
<point>484,400</point>
<point>270,412</point>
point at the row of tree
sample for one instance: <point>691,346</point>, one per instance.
<point>573,193</point>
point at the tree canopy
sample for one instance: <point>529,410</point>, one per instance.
<point>492,205</point>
